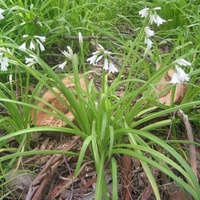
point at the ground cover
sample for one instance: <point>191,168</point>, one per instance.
<point>99,99</point>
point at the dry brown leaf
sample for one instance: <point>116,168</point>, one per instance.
<point>165,98</point>
<point>44,119</point>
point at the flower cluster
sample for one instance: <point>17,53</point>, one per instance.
<point>179,75</point>
<point>153,18</point>
<point>1,16</point>
<point>69,56</point>
<point>102,53</point>
<point>35,40</point>
<point>148,33</point>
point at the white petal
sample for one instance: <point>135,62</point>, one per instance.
<point>25,36</point>
<point>148,42</point>
<point>32,46</point>
<point>157,8</point>
<point>174,78</point>
<point>182,76</point>
<point>144,12</point>
<point>92,59</point>
<point>159,20</point>
<point>41,45</point>
<point>41,38</point>
<point>99,58</point>
<point>179,76</point>
<point>1,16</point>
<point>70,52</point>
<point>61,66</point>
<point>80,38</point>
<point>112,68</point>
<point>23,46</point>
<point>96,52</point>
<point>105,65</point>
<point>4,63</point>
<point>1,10</point>
<point>182,62</point>
<point>149,32</point>
<point>155,18</point>
<point>30,61</point>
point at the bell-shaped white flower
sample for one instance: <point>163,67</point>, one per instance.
<point>155,18</point>
<point>144,12</point>
<point>102,54</point>
<point>41,38</point>
<point>69,56</point>
<point>182,62</point>
<point>105,64</point>
<point>41,45</point>
<point>32,45</point>
<point>149,32</point>
<point>179,76</point>
<point>112,68</point>
<point>23,46</point>
<point>148,42</point>
<point>92,59</point>
<point>3,62</point>
<point>62,65</point>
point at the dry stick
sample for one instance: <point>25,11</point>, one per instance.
<point>192,149</point>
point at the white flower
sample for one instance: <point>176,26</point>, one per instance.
<point>149,32</point>
<point>62,65</point>
<point>112,68</point>
<point>182,62</point>
<point>80,39</point>
<point>32,46</point>
<point>93,59</point>
<point>105,64</point>
<point>179,76</point>
<point>3,62</point>
<point>30,61</point>
<point>156,19</point>
<point>148,42</point>
<point>69,55</point>
<point>23,46</point>
<point>144,12</point>
<point>41,38</point>
<point>98,55</point>
<point>41,45</point>
<point>1,16</point>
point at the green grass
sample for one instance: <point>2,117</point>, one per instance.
<point>108,124</point>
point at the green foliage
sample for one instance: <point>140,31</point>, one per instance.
<point>108,124</point>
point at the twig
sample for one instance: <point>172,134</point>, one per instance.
<point>192,149</point>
